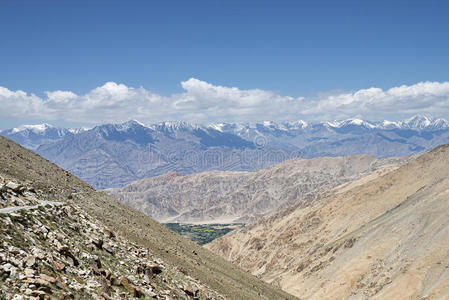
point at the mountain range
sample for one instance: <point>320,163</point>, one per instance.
<point>242,197</point>
<point>114,155</point>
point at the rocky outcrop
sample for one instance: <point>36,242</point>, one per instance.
<point>15,194</point>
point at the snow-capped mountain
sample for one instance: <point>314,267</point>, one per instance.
<point>174,126</point>
<point>424,122</point>
<point>32,136</point>
<point>112,155</point>
<point>416,123</point>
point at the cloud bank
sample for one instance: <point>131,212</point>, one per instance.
<point>202,102</point>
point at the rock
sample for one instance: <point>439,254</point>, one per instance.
<point>2,188</point>
<point>115,281</point>
<point>39,294</point>
<point>29,261</point>
<point>57,265</point>
<point>43,229</point>
<point>13,186</point>
<point>151,294</point>
<point>108,248</point>
<point>189,290</point>
<point>38,253</point>
<point>98,243</point>
<point>61,284</point>
<point>349,243</point>
<point>153,268</point>
<point>105,284</point>
<point>132,289</point>
<point>13,250</point>
<point>71,259</point>
<point>48,278</point>
<point>44,284</point>
<point>95,265</point>
<point>108,233</point>
<point>29,272</point>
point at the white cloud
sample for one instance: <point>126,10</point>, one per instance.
<point>202,102</point>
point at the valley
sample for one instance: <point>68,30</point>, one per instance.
<point>92,245</point>
<point>202,233</point>
<point>321,227</point>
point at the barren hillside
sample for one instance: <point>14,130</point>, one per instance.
<point>227,197</point>
<point>93,247</point>
<point>384,237</point>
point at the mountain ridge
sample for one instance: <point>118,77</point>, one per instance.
<point>383,237</point>
<point>242,197</point>
<point>113,155</point>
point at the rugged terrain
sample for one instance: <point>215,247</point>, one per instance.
<point>61,238</point>
<point>241,197</point>
<point>383,237</point>
<point>58,251</point>
<point>114,155</point>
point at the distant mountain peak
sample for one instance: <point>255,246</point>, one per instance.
<point>38,128</point>
<point>349,122</point>
<point>425,121</point>
<point>135,122</point>
<point>298,124</point>
<point>172,126</point>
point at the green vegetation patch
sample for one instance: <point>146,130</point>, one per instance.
<point>202,233</point>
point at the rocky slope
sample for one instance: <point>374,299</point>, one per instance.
<point>227,197</point>
<point>75,242</point>
<point>113,155</point>
<point>384,237</point>
<point>59,251</point>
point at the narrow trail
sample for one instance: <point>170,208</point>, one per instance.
<point>8,210</point>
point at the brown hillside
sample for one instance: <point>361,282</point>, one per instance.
<point>226,197</point>
<point>383,238</point>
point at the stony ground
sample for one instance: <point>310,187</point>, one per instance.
<point>15,194</point>
<point>58,252</point>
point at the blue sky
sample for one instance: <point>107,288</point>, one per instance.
<point>292,48</point>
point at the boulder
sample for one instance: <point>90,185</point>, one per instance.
<point>13,186</point>
<point>153,269</point>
